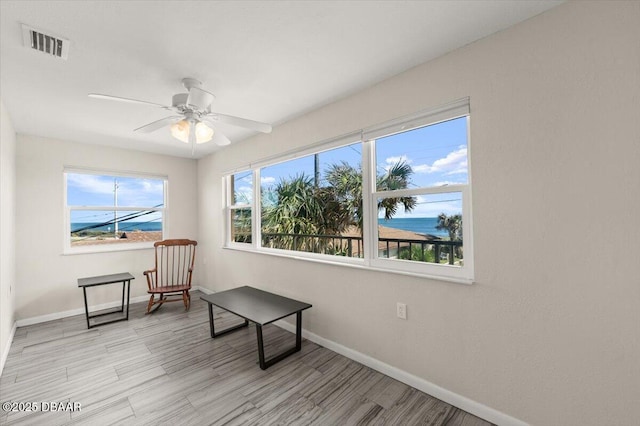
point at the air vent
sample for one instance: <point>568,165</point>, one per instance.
<point>45,43</point>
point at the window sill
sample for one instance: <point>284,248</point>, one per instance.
<point>92,249</point>
<point>355,263</point>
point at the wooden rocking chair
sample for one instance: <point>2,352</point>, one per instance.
<point>171,275</point>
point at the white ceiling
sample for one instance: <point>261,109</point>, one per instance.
<point>264,60</point>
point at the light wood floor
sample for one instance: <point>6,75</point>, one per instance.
<point>165,369</point>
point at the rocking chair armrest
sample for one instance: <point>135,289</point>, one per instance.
<point>150,274</point>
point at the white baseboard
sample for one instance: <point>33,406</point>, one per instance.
<point>464,403</point>
<point>204,290</point>
<point>80,311</point>
<point>7,348</point>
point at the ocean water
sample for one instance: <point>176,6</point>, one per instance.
<point>419,225</point>
<point>122,226</point>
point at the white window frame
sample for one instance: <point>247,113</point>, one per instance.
<point>230,207</point>
<point>115,247</point>
<point>459,274</point>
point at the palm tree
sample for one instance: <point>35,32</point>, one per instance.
<point>295,207</point>
<point>453,225</point>
<point>300,205</point>
<point>396,177</point>
<point>345,184</point>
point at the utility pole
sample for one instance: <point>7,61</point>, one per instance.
<point>115,204</point>
<point>316,170</point>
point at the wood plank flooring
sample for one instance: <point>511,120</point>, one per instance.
<point>165,369</point>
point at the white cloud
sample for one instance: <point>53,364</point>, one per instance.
<point>90,183</point>
<point>455,162</point>
<point>140,192</point>
<point>131,192</point>
<point>421,168</point>
<point>390,161</point>
<point>267,180</point>
<point>152,186</point>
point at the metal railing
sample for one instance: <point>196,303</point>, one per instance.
<point>423,250</point>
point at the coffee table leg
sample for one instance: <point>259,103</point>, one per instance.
<point>299,330</point>
<point>226,330</point>
<point>263,364</point>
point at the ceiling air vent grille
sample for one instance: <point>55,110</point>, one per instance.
<point>45,43</point>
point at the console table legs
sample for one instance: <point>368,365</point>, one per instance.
<point>96,281</point>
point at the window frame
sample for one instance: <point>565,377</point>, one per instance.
<point>115,247</point>
<point>230,207</point>
<point>367,137</point>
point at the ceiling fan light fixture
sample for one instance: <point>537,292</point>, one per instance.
<point>180,130</point>
<point>204,133</point>
<point>193,121</point>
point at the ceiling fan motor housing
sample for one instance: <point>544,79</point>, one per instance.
<point>179,100</point>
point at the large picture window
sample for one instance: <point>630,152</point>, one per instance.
<point>314,203</point>
<point>395,197</point>
<point>106,212</point>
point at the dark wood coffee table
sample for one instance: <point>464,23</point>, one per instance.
<point>261,308</point>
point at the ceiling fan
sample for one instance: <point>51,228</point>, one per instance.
<point>194,122</point>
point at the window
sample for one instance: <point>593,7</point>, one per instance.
<point>394,197</point>
<point>314,203</point>
<point>241,199</point>
<point>421,187</point>
<point>106,212</point>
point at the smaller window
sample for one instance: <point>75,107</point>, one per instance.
<point>240,209</point>
<point>106,212</point>
<point>422,178</point>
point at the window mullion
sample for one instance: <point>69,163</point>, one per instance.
<point>256,211</point>
<point>368,201</point>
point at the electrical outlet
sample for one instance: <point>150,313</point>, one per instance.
<point>401,310</point>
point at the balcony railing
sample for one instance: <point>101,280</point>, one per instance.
<point>422,250</point>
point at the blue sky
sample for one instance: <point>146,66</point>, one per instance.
<point>98,190</point>
<point>437,155</point>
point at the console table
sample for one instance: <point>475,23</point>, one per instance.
<point>261,308</point>
<point>124,277</point>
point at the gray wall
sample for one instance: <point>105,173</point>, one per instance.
<point>7,230</point>
<point>549,334</point>
<point>47,279</point>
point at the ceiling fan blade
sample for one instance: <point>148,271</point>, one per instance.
<point>200,99</point>
<point>120,99</point>
<point>241,122</point>
<point>152,127</point>
<point>218,137</point>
